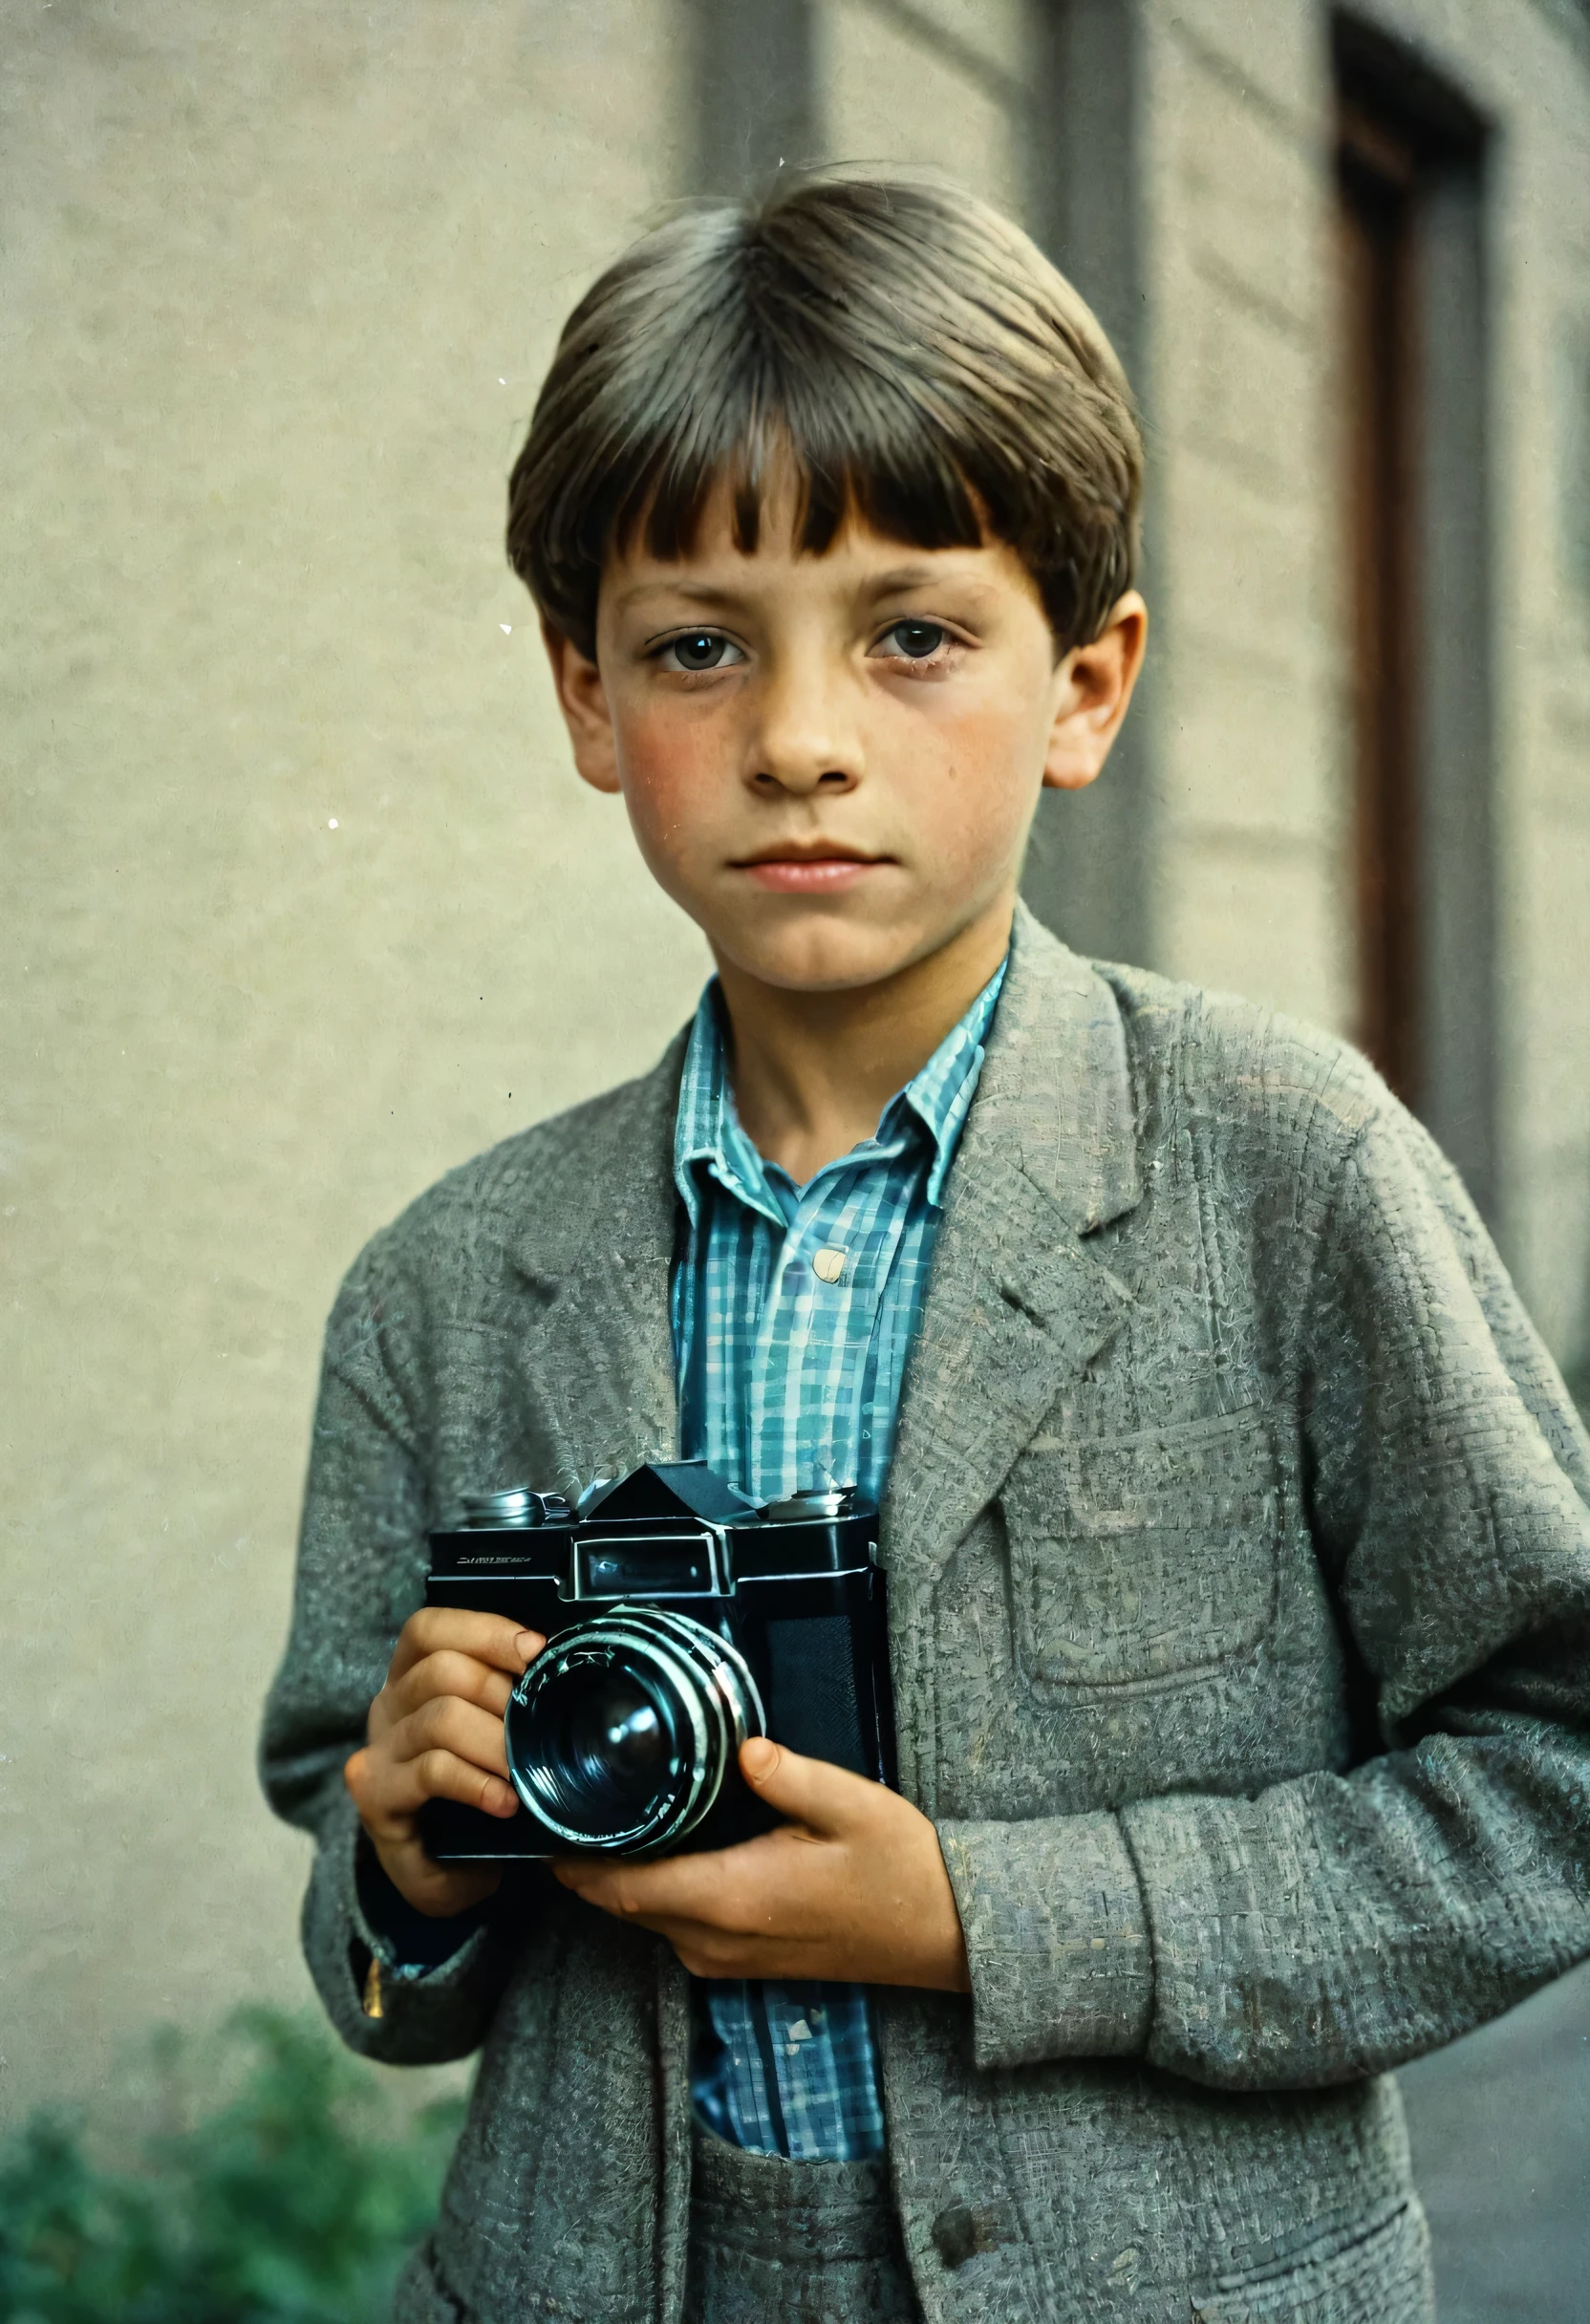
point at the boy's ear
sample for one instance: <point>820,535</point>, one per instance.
<point>1095,688</point>
<point>583,700</point>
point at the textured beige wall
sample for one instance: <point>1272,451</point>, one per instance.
<point>278,284</point>
<point>1253,835</point>
<point>1251,875</point>
<point>930,84</point>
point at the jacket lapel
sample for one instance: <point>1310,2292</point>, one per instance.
<point>1019,1301</point>
<point>598,1358</point>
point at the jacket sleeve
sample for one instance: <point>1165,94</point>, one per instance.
<point>361,1563</point>
<point>1339,1924</point>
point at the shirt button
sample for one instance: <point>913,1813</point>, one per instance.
<point>829,1266</point>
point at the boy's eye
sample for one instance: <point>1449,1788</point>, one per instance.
<point>700,649</point>
<point>916,641</point>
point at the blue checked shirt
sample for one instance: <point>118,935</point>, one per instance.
<point>794,1310</point>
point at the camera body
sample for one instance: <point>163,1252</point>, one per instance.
<point>680,1618</point>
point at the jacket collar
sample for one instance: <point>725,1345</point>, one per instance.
<point>1056,1096</point>
<point>931,1106</point>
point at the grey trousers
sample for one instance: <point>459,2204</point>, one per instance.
<point>792,2243</point>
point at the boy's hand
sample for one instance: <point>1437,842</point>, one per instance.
<point>853,1887</point>
<point>435,1732</point>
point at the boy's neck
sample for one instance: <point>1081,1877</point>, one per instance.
<point>812,1072</point>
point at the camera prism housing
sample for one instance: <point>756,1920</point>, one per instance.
<point>680,1618</point>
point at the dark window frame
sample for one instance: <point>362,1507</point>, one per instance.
<point>1413,158</point>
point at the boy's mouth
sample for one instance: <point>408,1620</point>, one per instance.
<point>824,867</point>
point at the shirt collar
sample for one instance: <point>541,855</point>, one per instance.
<point>707,1128</point>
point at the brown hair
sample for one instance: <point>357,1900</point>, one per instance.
<point>911,352</point>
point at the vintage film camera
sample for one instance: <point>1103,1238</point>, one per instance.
<point>680,1619</point>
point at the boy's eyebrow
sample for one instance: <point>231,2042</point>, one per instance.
<point>699,592</point>
<point>901,577</point>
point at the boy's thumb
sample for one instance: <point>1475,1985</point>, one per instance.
<point>805,1791</point>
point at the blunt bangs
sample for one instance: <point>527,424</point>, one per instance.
<point>906,353</point>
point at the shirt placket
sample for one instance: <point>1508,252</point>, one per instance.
<point>813,1336</point>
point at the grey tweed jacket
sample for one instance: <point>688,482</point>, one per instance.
<point>1240,1572</point>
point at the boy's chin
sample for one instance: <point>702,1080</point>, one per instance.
<point>826,958</point>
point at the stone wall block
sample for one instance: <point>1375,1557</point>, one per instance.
<point>1257,919</point>
<point>1246,190</point>
<point>1237,566</point>
<point>1271,52</point>
<point>1249,747</point>
<point>896,97</point>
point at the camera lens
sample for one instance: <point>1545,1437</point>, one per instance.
<point>619,1735</point>
<point>615,1745</point>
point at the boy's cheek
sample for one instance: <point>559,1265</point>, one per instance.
<point>677,795</point>
<point>660,743</point>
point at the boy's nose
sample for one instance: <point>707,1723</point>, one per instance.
<point>805,739</point>
<point>802,779</point>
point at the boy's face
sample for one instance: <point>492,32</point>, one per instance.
<point>831,761</point>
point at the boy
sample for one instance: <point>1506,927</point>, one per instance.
<point>1236,1521</point>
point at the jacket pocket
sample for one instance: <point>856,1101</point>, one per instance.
<point>1143,1558</point>
<point>1379,2276</point>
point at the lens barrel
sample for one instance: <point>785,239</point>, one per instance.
<point>620,1733</point>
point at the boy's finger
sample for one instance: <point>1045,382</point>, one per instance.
<point>738,1888</point>
<point>387,1792</point>
<point>706,1951</point>
<point>446,1723</point>
<point>811,1791</point>
<point>448,1673</point>
<point>487,1638</point>
<point>653,1895</point>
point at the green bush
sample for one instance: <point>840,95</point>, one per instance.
<point>293,2202</point>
